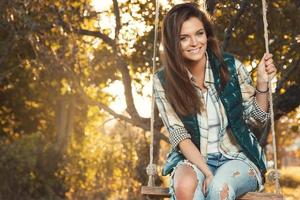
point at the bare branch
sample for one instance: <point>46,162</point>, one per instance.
<point>104,107</point>
<point>97,34</point>
<point>234,22</point>
<point>131,109</point>
<point>70,29</point>
<point>118,18</point>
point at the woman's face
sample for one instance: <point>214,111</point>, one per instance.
<point>193,40</point>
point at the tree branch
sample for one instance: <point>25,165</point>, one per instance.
<point>69,29</point>
<point>234,22</point>
<point>118,18</point>
<point>136,121</point>
<point>123,67</point>
<point>84,96</point>
<point>97,34</point>
<point>131,109</point>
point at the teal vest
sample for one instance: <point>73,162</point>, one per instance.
<point>231,98</point>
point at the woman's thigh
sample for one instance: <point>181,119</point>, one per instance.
<point>231,180</point>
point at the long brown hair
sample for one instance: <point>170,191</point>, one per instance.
<point>179,90</point>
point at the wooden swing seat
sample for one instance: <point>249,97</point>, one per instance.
<point>164,192</point>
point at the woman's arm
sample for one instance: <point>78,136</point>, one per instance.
<point>255,105</point>
<point>265,69</point>
<point>192,154</point>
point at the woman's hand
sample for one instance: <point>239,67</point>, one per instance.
<point>206,183</point>
<point>266,68</point>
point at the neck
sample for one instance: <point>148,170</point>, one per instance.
<point>197,68</point>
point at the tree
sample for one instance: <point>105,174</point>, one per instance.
<point>57,59</point>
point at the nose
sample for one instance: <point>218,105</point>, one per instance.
<point>193,41</point>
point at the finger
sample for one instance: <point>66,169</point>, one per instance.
<point>269,61</point>
<point>268,56</point>
<point>270,67</point>
<point>271,71</point>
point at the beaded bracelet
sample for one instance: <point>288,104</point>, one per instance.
<point>261,92</point>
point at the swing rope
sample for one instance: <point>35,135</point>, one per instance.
<point>276,175</point>
<point>151,168</point>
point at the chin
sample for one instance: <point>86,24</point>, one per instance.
<point>195,58</point>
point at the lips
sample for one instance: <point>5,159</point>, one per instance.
<point>196,50</point>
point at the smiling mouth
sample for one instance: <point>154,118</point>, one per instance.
<point>196,50</point>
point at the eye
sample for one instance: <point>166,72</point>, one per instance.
<point>184,38</point>
<point>200,32</point>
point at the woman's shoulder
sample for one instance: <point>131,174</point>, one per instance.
<point>227,56</point>
<point>230,58</point>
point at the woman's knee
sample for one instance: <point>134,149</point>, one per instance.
<point>185,182</point>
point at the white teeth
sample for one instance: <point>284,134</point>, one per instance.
<point>194,50</point>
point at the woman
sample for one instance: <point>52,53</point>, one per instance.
<point>206,101</point>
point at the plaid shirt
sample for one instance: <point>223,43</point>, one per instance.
<point>227,143</point>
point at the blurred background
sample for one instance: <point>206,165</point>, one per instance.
<point>75,92</point>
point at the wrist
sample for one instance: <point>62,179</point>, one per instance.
<point>262,85</point>
<point>259,91</point>
<point>209,174</point>
<point>262,81</point>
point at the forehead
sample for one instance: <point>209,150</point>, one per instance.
<point>191,25</point>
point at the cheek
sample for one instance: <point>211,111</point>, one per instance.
<point>205,43</point>
<point>182,52</point>
<point>183,45</point>
<point>204,40</point>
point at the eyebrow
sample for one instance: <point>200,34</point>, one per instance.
<point>201,29</point>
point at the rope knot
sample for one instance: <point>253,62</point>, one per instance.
<point>151,170</point>
<point>273,175</point>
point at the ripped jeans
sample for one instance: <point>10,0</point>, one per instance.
<point>232,178</point>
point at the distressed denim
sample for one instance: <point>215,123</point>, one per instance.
<point>232,178</point>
